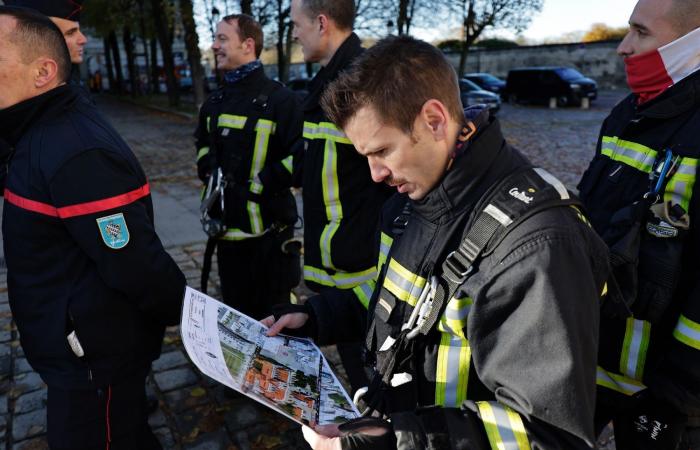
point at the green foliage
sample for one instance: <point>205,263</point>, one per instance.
<point>496,43</point>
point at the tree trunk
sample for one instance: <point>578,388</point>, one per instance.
<point>247,7</point>
<point>144,44</point>
<point>117,57</point>
<point>193,54</point>
<point>130,62</point>
<point>288,50</point>
<point>282,69</point>
<point>166,48</point>
<point>108,63</point>
<point>402,19</point>
<point>155,69</point>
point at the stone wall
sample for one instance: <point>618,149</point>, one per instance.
<point>596,60</point>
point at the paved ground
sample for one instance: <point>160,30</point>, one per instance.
<point>196,413</point>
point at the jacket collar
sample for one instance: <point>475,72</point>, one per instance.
<point>248,81</point>
<point>348,50</point>
<point>469,177</point>
<point>677,100</point>
<point>16,120</point>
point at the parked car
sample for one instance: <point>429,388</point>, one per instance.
<point>300,86</point>
<point>472,94</point>
<point>487,82</point>
<point>540,84</point>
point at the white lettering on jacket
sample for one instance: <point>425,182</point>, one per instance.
<point>523,197</point>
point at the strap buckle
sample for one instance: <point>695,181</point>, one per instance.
<point>454,270</point>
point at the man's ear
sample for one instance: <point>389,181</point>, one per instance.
<point>45,72</point>
<point>250,45</point>
<point>323,23</point>
<point>434,116</point>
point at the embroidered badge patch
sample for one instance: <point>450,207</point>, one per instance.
<point>113,230</point>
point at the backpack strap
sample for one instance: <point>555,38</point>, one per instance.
<point>518,197</point>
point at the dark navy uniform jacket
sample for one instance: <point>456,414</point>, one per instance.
<point>81,249</point>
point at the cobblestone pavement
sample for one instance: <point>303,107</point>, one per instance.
<point>195,412</point>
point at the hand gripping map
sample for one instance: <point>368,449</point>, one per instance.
<point>287,374</point>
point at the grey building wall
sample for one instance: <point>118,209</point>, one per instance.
<point>597,60</point>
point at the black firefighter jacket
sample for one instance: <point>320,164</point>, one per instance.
<point>341,203</point>
<point>512,362</point>
<point>81,249</point>
<point>259,162</point>
<point>659,351</point>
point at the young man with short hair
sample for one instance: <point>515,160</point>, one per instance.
<point>479,340</point>
<point>642,196</point>
<point>247,131</point>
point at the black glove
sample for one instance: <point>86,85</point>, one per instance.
<point>353,437</point>
<point>310,328</point>
<point>652,425</point>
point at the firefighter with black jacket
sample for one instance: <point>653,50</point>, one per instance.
<point>246,134</point>
<point>480,338</point>
<point>642,196</point>
<point>90,286</point>
<point>341,203</point>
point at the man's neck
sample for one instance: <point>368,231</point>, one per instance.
<point>335,41</point>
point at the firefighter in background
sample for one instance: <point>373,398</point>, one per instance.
<point>642,196</point>
<point>246,133</point>
<point>495,323</point>
<point>341,203</point>
<point>90,286</point>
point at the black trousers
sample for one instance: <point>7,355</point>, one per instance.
<point>256,274</point>
<point>113,417</point>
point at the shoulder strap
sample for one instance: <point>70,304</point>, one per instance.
<point>518,197</point>
<point>259,106</point>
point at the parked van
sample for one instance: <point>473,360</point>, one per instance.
<point>563,85</point>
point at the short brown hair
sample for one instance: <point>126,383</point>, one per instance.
<point>248,28</point>
<point>342,12</point>
<point>395,77</point>
<point>37,36</point>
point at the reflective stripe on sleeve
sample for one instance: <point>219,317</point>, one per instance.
<point>236,234</point>
<point>619,383</point>
<point>454,354</point>
<point>202,152</point>
<point>634,348</point>
<point>679,189</point>
<point>364,292</point>
<point>385,242</point>
<point>687,332</point>
<point>504,427</point>
<point>341,280</point>
<point>79,209</point>
<point>403,283</point>
<point>287,163</point>
<point>331,199</point>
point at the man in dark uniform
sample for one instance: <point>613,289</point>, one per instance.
<point>65,14</point>
<point>90,286</point>
<point>247,131</point>
<point>496,352</point>
<point>341,203</point>
<point>643,197</point>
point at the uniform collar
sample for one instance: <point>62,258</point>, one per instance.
<point>469,176</point>
<point>348,50</point>
<point>17,119</point>
<point>677,100</point>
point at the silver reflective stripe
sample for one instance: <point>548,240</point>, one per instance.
<point>504,427</point>
<point>551,179</point>
<point>331,198</point>
<point>403,283</point>
<point>635,155</point>
<point>341,280</point>
<point>634,348</point>
<point>619,383</point>
<point>497,214</point>
<point>687,332</point>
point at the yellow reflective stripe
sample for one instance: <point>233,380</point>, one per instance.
<point>454,319</point>
<point>634,348</point>
<point>232,121</point>
<point>635,155</point>
<point>331,199</point>
<point>364,292</point>
<point>208,122</point>
<point>452,371</point>
<point>504,427</point>
<point>264,128</point>
<point>341,280</point>
<point>325,130</point>
<point>619,383</point>
<point>202,152</point>
<point>236,234</point>
<point>679,189</point>
<point>287,163</point>
<point>404,284</point>
<point>385,242</point>
<point>687,332</point>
